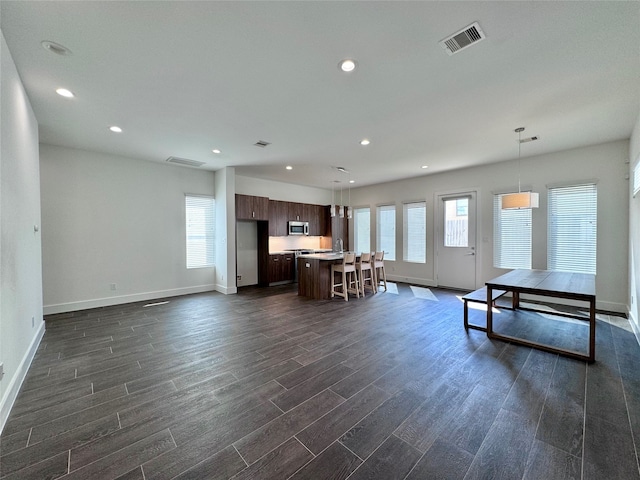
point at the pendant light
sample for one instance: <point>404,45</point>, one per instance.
<point>333,199</point>
<point>521,199</point>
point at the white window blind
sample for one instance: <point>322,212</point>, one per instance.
<point>511,236</point>
<point>200,223</point>
<point>386,231</point>
<point>571,243</point>
<point>362,229</point>
<point>415,232</point>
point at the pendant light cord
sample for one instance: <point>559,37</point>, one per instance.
<point>519,130</point>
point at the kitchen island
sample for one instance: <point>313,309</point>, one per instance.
<point>314,274</point>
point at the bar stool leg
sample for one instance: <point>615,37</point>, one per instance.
<point>345,290</point>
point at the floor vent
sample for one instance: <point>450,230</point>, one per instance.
<point>185,161</point>
<point>464,38</point>
<point>261,143</point>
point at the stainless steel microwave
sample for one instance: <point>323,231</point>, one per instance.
<point>298,228</point>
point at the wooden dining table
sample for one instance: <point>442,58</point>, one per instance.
<point>547,283</point>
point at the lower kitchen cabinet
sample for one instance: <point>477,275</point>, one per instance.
<point>281,268</point>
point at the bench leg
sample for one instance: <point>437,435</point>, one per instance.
<point>466,315</point>
<point>468,325</point>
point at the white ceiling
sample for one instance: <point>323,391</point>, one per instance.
<point>182,78</point>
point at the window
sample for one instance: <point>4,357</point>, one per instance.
<point>511,236</point>
<point>386,228</point>
<point>636,177</point>
<point>571,243</point>
<point>200,221</point>
<point>415,232</point>
<point>462,207</point>
<point>362,229</point>
<point>456,222</point>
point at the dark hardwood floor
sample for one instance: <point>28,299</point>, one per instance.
<point>268,385</point>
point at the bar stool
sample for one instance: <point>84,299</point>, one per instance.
<point>363,266</point>
<point>349,277</point>
<point>378,270</point>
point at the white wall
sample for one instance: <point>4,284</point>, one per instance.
<point>634,234</point>
<point>605,162</point>
<point>285,192</point>
<point>226,231</point>
<point>21,325</point>
<point>114,220</point>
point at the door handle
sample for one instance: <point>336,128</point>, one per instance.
<point>472,253</point>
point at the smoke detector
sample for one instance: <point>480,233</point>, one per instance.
<point>464,38</point>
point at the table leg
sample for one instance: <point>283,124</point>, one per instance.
<point>592,330</point>
<point>515,300</point>
<point>489,311</point>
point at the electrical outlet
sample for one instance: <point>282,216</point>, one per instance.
<point>113,286</point>
<point>239,278</point>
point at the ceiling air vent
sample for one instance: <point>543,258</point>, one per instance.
<point>463,39</point>
<point>261,143</point>
<point>185,161</point>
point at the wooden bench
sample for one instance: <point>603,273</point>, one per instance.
<point>479,296</point>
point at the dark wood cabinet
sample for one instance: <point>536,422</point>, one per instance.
<point>281,267</point>
<point>288,267</point>
<point>296,212</point>
<point>249,207</point>
<point>340,229</point>
<point>278,215</point>
<point>310,214</point>
<point>281,213</point>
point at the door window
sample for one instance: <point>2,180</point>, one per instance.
<point>456,222</point>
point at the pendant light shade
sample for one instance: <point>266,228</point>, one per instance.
<point>520,200</point>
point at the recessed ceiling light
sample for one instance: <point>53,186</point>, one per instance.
<point>365,141</point>
<point>115,129</point>
<point>54,47</point>
<point>289,167</point>
<point>63,92</point>
<point>347,65</point>
<point>424,166</point>
<point>352,181</point>
<point>215,150</point>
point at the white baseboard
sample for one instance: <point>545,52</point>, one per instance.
<point>425,282</point>
<point>16,382</point>
<point>611,307</point>
<point>634,324</point>
<point>226,290</point>
<point>136,297</point>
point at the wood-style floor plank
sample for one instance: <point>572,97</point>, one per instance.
<point>265,384</point>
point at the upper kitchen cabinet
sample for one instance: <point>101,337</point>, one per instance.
<point>249,207</point>
<point>278,217</point>
<point>296,212</point>
<point>316,215</point>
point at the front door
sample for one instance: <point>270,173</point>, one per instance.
<point>456,241</point>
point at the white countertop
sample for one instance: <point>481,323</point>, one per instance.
<point>324,256</point>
